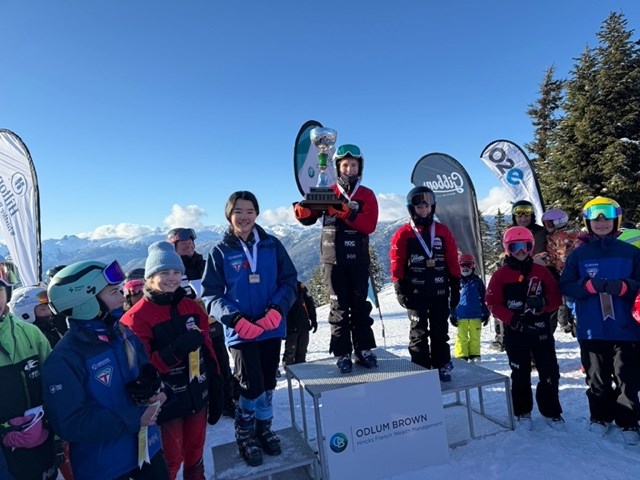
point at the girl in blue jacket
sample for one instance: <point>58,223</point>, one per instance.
<point>101,393</point>
<point>249,284</point>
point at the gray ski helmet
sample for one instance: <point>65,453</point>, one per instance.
<point>417,195</point>
<point>134,274</point>
<point>73,290</point>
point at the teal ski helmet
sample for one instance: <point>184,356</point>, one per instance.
<point>73,291</point>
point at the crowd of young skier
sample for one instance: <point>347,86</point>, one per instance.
<point>115,376</point>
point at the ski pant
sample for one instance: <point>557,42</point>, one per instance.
<point>605,363</point>
<point>521,348</point>
<point>183,440</point>
<point>219,347</point>
<point>429,322</point>
<point>468,338</point>
<point>350,310</point>
<point>256,364</point>
<point>295,347</point>
<point>156,470</point>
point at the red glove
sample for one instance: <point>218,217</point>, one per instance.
<point>342,212</point>
<point>302,213</point>
<point>271,319</point>
<point>247,330</point>
<point>635,311</point>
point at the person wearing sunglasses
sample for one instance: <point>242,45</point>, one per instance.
<point>183,240</point>
<point>426,277</point>
<point>90,380</point>
<point>472,313</point>
<point>603,277</point>
<point>28,452</point>
<point>522,294</point>
<point>344,253</point>
<point>249,284</point>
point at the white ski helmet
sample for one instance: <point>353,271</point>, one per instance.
<point>24,301</point>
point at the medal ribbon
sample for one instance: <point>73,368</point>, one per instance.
<point>421,240</point>
<point>253,260</point>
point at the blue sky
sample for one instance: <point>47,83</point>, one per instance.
<point>148,114</point>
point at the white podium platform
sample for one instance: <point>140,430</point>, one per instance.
<point>468,380</point>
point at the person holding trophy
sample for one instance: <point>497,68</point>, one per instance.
<point>344,253</point>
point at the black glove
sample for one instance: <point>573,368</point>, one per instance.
<point>599,284</point>
<point>216,398</point>
<point>453,320</point>
<point>519,325</point>
<point>146,385</point>
<point>485,320</point>
<point>535,302</point>
<point>58,444</point>
<point>187,342</point>
<point>616,287</point>
<point>401,294</point>
<point>314,325</point>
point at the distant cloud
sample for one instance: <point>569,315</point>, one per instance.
<point>498,198</point>
<point>278,216</point>
<point>189,216</point>
<point>391,207</point>
<point>122,230</point>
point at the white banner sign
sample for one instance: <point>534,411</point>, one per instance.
<point>19,207</point>
<point>380,429</point>
<point>510,164</point>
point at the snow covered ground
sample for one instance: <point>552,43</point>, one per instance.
<point>572,452</point>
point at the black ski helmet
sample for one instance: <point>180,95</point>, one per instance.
<point>415,196</point>
<point>523,203</point>
<point>134,274</point>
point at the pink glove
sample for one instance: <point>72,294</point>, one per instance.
<point>29,432</point>
<point>271,319</point>
<point>247,330</point>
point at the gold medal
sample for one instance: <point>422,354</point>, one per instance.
<point>431,263</point>
<point>254,278</point>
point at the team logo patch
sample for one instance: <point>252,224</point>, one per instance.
<point>104,376</point>
<point>236,266</point>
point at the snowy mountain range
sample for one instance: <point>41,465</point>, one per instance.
<point>301,242</point>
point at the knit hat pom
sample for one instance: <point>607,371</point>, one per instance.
<point>162,256</point>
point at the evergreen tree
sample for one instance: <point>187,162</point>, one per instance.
<point>499,227</point>
<point>316,286</point>
<point>487,242</point>
<point>376,270</point>
<point>601,105</point>
<point>545,119</point>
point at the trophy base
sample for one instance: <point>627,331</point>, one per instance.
<point>320,198</point>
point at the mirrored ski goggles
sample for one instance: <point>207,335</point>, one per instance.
<point>523,210</point>
<point>423,199</point>
<point>466,265</point>
<point>609,212</point>
<point>347,150</point>
<point>42,297</point>
<point>113,273</point>
<point>134,287</point>
<point>516,247</point>
<point>183,234</point>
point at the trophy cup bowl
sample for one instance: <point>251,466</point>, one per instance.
<point>322,196</point>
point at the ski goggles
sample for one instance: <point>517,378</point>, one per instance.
<point>182,234</point>
<point>466,265</point>
<point>609,212</point>
<point>347,150</point>
<point>42,297</point>
<point>113,273</point>
<point>515,247</point>
<point>423,199</point>
<point>524,210</point>
<point>134,287</point>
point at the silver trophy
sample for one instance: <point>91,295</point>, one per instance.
<point>322,196</point>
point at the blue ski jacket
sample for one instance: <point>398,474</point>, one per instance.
<point>607,258</point>
<point>472,292</point>
<point>227,290</point>
<point>84,382</point>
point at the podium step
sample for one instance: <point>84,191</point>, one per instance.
<point>293,464</point>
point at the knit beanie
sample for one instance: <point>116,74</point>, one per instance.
<point>162,256</point>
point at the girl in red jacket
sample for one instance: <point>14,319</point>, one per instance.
<point>523,294</point>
